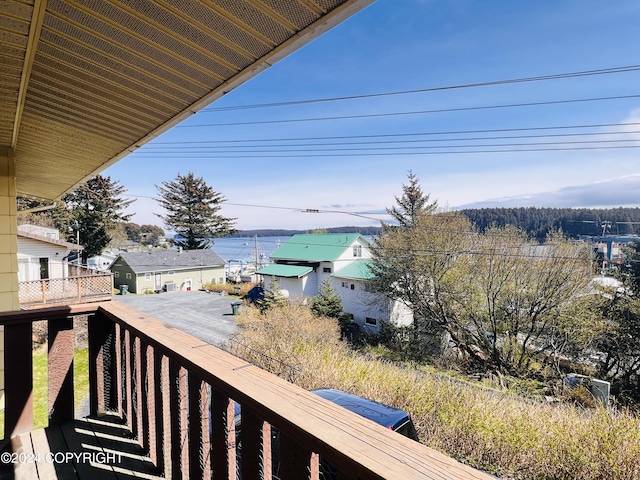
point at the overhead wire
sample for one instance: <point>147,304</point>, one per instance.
<point>215,144</point>
<point>325,148</point>
<point>364,215</point>
<point>500,251</point>
<point>573,145</point>
<point>557,76</point>
<point>374,154</point>
<point>417,112</point>
<point>393,135</point>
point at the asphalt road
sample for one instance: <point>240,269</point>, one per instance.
<point>207,316</point>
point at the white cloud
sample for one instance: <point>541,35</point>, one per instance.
<point>617,192</point>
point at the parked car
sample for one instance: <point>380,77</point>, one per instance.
<point>389,417</point>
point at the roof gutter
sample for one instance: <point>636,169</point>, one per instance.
<point>40,209</point>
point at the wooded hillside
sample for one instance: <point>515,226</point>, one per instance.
<point>572,221</point>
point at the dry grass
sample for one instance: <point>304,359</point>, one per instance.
<point>497,432</point>
<point>240,289</point>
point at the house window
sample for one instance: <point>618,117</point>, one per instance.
<point>326,270</point>
<point>357,250</point>
<point>128,275</point>
<point>44,268</point>
<point>368,287</point>
<point>371,321</point>
<point>147,277</point>
<point>345,284</point>
<point>116,274</point>
<point>353,287</point>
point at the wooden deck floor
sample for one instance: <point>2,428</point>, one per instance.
<point>90,448</point>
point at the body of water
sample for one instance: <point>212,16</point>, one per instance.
<point>244,248</point>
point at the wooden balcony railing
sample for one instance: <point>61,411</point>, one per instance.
<point>94,287</point>
<point>177,395</point>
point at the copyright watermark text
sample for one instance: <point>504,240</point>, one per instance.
<point>61,457</point>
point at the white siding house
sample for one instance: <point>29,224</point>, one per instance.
<point>303,263</point>
<point>42,255</point>
<point>368,309</point>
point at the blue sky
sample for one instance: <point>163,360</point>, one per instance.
<point>407,45</point>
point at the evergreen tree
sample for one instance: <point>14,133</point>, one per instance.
<point>412,204</point>
<point>631,267</point>
<point>327,303</point>
<point>273,297</point>
<point>192,209</point>
<point>90,212</point>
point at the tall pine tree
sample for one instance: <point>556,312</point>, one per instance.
<point>90,212</point>
<point>193,209</point>
<point>412,204</point>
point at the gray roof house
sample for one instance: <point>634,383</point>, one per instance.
<point>167,270</point>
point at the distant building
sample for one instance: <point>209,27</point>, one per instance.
<point>167,270</point>
<point>103,261</point>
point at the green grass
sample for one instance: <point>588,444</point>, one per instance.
<point>41,384</point>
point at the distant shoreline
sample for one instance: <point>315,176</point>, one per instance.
<point>288,233</point>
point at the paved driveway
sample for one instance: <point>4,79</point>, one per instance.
<point>207,316</point>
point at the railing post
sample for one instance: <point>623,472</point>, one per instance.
<point>251,446</point>
<point>199,435</point>
<point>119,384</point>
<point>147,397</point>
<point>61,341</point>
<point>128,381</point>
<point>139,390</point>
<point>163,397</point>
<point>103,378</point>
<point>295,460</point>
<point>267,436</point>
<point>223,436</point>
<point>178,407</point>
<point>18,377</point>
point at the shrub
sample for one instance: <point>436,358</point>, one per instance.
<point>240,289</point>
<point>496,431</point>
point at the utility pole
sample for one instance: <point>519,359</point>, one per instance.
<point>255,251</point>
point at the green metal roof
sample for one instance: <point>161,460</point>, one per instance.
<point>316,247</point>
<point>357,270</point>
<point>284,270</point>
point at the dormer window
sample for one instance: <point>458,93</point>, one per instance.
<point>357,250</point>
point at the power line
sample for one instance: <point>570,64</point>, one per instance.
<point>557,76</point>
<point>364,215</point>
<point>394,135</point>
<point>214,145</point>
<point>399,148</point>
<point>419,112</point>
<point>373,154</point>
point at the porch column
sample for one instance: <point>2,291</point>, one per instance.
<point>9,300</point>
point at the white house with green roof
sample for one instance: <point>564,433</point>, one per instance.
<point>303,263</point>
<point>368,308</point>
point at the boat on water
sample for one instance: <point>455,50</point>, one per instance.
<point>241,271</point>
